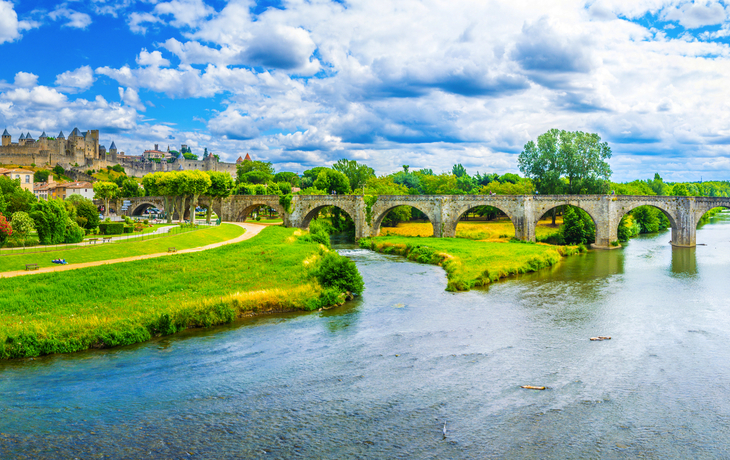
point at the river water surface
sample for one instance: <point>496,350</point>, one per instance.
<point>412,371</point>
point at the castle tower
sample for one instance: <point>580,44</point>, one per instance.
<point>61,136</point>
<point>21,139</point>
<point>6,138</point>
<point>113,152</point>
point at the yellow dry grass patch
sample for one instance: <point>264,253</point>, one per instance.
<point>494,231</point>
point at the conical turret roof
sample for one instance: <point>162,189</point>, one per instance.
<point>43,136</point>
<point>6,133</point>
<point>28,136</point>
<point>22,136</point>
<point>113,146</point>
<point>60,136</point>
<point>76,133</point>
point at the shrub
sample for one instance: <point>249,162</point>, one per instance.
<point>336,271</point>
<point>50,221</point>
<point>111,228</point>
<point>146,222</point>
<point>128,229</point>
<point>22,225</point>
<point>74,233</point>
<point>138,227</point>
<point>6,230</point>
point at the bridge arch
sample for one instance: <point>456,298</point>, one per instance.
<point>314,212</point>
<point>623,210</point>
<point>252,205</point>
<point>138,208</point>
<point>383,206</point>
<point>451,225</point>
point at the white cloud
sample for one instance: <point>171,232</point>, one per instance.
<point>185,13</point>
<point>137,21</point>
<point>75,19</point>
<point>76,80</point>
<point>130,98</point>
<point>10,26</point>
<point>696,14</point>
<point>26,80</point>
<point>153,59</point>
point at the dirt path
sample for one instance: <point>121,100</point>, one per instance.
<point>251,231</point>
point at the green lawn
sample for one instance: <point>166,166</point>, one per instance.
<point>130,302</point>
<point>471,263</point>
<point>126,248</point>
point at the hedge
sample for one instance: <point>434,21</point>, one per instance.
<point>111,228</point>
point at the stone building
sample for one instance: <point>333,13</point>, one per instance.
<point>23,175</point>
<point>78,149</point>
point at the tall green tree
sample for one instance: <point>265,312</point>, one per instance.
<point>254,172</point>
<point>193,183</point>
<point>23,225</point>
<point>356,173</point>
<point>221,186</point>
<point>286,176</point>
<point>50,219</point>
<point>332,181</point>
<point>105,191</point>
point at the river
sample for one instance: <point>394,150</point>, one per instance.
<point>411,371</point>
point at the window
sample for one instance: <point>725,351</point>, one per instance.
<point>27,179</point>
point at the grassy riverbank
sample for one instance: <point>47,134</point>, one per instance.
<point>120,249</point>
<point>472,263</point>
<point>131,302</point>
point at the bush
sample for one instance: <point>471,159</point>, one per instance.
<point>577,227</point>
<point>6,230</point>
<point>336,271</point>
<point>146,222</point>
<point>128,229</point>
<point>138,227</point>
<point>111,228</point>
<point>50,221</point>
<point>74,233</point>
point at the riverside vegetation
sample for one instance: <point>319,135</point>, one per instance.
<point>99,307</point>
<point>471,263</point>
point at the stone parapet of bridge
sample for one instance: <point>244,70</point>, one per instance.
<point>445,211</point>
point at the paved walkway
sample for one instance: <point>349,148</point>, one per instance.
<point>251,231</point>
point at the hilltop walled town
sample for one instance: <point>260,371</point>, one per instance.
<point>82,151</point>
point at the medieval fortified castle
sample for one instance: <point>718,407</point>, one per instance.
<point>82,151</point>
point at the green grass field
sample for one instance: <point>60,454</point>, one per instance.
<point>126,248</point>
<point>471,263</point>
<point>144,231</point>
<point>131,302</point>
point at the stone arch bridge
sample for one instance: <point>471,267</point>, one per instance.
<point>445,211</point>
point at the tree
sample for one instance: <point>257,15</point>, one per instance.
<point>264,167</point>
<point>221,185</point>
<point>166,185</point>
<point>680,190</point>
<point>286,176</point>
<point>310,175</point>
<point>22,225</point>
<point>153,186</point>
<point>58,170</point>
<point>458,170</point>
<point>85,209</point>
<point>193,184</point>
<point>41,176</point>
<point>14,197</point>
<point>129,187</point>
<point>105,191</point>
<point>50,218</point>
<point>332,181</point>
<point>119,169</point>
<point>356,173</point>
<point>190,156</point>
<point>578,157</point>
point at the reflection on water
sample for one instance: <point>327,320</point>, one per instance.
<point>380,377</point>
<point>684,261</point>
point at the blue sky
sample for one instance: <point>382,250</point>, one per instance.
<point>303,83</point>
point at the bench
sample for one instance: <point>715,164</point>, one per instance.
<point>106,239</point>
<point>93,240</point>
<point>172,249</point>
<point>31,267</point>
